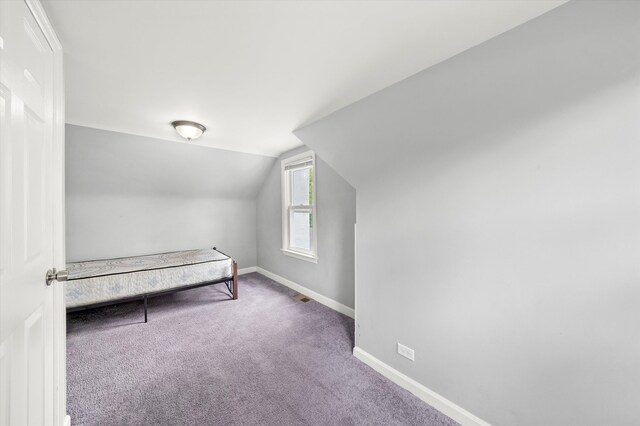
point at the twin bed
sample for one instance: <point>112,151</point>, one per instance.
<point>105,282</point>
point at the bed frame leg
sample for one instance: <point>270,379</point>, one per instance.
<point>235,280</point>
<point>145,308</point>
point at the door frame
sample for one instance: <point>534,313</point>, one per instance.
<point>60,417</point>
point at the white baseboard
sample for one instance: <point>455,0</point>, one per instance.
<point>67,420</point>
<point>246,270</point>
<point>437,401</point>
<point>336,306</point>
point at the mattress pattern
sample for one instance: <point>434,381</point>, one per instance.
<point>111,279</point>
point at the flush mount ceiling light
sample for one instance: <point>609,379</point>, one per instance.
<point>188,129</point>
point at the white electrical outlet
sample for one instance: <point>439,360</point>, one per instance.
<point>405,351</point>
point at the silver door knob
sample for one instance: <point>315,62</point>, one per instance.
<point>55,275</point>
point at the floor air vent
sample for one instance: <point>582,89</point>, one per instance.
<point>301,297</point>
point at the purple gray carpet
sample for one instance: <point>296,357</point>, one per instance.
<point>203,359</point>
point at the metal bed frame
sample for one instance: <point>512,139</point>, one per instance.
<point>231,283</point>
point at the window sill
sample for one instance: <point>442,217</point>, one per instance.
<point>308,257</point>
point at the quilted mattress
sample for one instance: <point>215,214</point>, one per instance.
<point>99,281</point>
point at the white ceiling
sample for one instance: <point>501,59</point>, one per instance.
<point>254,71</point>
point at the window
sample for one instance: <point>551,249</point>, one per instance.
<point>299,230</point>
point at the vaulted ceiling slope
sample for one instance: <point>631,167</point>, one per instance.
<point>253,71</point>
<point>465,106</point>
<point>101,163</point>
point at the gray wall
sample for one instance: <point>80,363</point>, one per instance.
<point>498,220</point>
<point>131,195</point>
<point>333,275</point>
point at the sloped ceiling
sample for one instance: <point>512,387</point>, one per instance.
<point>465,105</point>
<point>100,162</point>
<point>253,71</point>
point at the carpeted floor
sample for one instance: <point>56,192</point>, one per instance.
<point>203,359</point>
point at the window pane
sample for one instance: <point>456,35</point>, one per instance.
<point>300,235</point>
<point>301,186</point>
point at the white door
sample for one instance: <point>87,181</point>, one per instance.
<point>30,194</point>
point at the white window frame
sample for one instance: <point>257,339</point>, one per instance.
<point>312,255</point>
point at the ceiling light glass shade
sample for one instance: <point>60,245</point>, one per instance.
<point>189,129</point>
